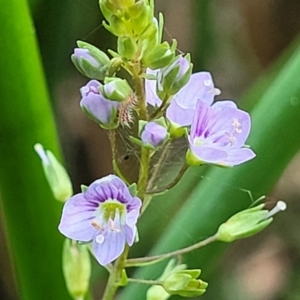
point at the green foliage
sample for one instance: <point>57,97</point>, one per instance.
<point>31,214</point>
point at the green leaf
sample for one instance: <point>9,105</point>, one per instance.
<point>31,214</point>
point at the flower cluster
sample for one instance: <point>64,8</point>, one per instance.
<point>162,104</point>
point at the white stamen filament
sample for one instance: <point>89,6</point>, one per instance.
<point>112,226</point>
<point>280,206</point>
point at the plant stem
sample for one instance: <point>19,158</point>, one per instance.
<point>115,276</point>
<point>145,281</point>
<point>116,271</point>
<point>136,261</point>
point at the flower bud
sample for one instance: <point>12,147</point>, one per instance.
<point>141,16</point>
<point>116,89</point>
<point>56,175</point>
<point>157,292</point>
<point>102,111</point>
<point>172,78</point>
<point>90,61</point>
<point>247,222</point>
<point>158,57</point>
<point>118,26</point>
<point>184,283</point>
<point>127,47</point>
<point>76,268</point>
<point>153,134</point>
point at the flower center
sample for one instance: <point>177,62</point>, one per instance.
<point>110,207</point>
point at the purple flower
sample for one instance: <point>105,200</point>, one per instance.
<point>218,134</point>
<point>98,108</point>
<point>153,134</point>
<point>182,107</point>
<point>181,110</point>
<point>105,214</point>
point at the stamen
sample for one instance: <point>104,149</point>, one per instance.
<point>217,92</point>
<point>232,140</point>
<point>280,206</point>
<point>237,125</point>
<point>112,226</point>
<point>96,225</point>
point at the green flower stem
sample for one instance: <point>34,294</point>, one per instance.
<point>144,281</point>
<point>116,272</point>
<point>115,276</point>
<point>161,108</point>
<point>136,261</point>
<point>143,115</point>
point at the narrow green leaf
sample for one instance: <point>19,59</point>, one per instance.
<point>30,212</point>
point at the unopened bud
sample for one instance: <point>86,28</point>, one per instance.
<point>56,175</point>
<point>90,61</point>
<point>76,268</point>
<point>247,222</point>
<point>116,89</point>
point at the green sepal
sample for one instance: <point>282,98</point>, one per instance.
<point>158,57</point>
<point>83,188</point>
<point>127,46</point>
<point>133,189</point>
<point>99,55</point>
<point>192,159</point>
<point>124,279</point>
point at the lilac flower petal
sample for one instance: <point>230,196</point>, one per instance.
<point>85,54</point>
<point>235,122</point>
<point>199,87</point>
<point>111,248</point>
<point>209,154</point>
<point>153,134</point>
<point>76,219</point>
<point>224,103</point>
<point>179,115</point>
<point>202,116</point>
<point>130,234</point>
<point>98,107</point>
<point>238,156</point>
<point>150,87</point>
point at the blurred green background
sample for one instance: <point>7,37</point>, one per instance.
<point>252,49</point>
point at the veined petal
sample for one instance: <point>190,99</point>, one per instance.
<point>199,87</point>
<point>111,247</point>
<point>201,120</point>
<point>179,115</point>
<point>150,87</point>
<point>238,156</point>
<point>209,154</point>
<point>76,219</point>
